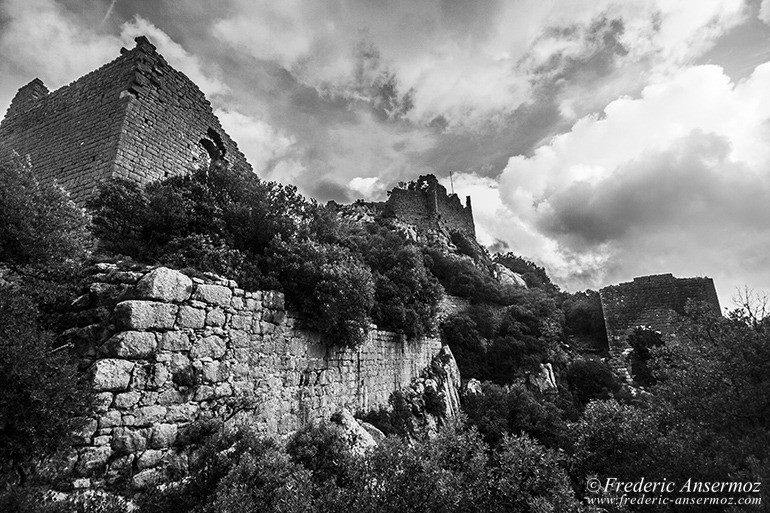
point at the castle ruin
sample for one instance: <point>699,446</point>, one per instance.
<point>654,302</point>
<point>135,118</point>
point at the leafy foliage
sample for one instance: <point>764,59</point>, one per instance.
<point>534,276</point>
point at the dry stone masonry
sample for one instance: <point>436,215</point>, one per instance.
<point>170,356</point>
<point>656,302</point>
<point>135,118</point>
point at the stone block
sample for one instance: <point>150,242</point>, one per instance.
<point>127,400</point>
<point>129,441</point>
<point>163,435</point>
<point>149,459</point>
<point>147,479</point>
<point>181,412</point>
<point>131,345</point>
<point>213,294</point>
<point>85,431</point>
<point>164,284</point>
<point>190,317</point>
<point>241,322</point>
<point>149,415</point>
<point>215,317</point>
<point>111,419</point>
<point>174,341</point>
<point>170,397</point>
<point>102,401</point>
<point>209,372</point>
<point>144,315</point>
<point>93,460</point>
<point>209,347</point>
<point>111,375</point>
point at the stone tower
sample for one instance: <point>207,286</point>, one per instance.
<point>656,302</point>
<point>135,118</point>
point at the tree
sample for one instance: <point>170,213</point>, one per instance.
<point>43,239</point>
<point>42,229</point>
<point>44,397</point>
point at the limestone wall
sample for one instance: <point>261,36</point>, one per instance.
<point>168,354</point>
<point>135,117</point>
<point>657,302</point>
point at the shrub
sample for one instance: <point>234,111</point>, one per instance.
<point>591,379</point>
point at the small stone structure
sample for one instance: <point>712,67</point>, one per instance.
<point>168,354</point>
<point>135,118</point>
<point>656,302</point>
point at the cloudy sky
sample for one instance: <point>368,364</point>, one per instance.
<point>603,139</point>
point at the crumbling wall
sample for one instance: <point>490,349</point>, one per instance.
<point>430,209</point>
<point>135,118</point>
<point>168,355</point>
<point>657,302</point>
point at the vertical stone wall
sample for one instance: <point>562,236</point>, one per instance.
<point>656,302</point>
<point>168,354</point>
<point>135,117</point>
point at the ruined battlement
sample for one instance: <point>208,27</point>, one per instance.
<point>135,118</point>
<point>426,204</point>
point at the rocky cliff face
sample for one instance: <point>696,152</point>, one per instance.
<point>172,358</point>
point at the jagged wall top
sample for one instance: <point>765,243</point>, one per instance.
<point>426,204</point>
<point>135,118</point>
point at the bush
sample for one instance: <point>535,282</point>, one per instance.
<point>591,379</point>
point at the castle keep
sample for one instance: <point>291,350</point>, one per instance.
<point>135,118</point>
<point>654,302</point>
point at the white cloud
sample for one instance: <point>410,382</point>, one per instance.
<point>41,39</point>
<point>764,11</point>
<point>676,180</point>
<point>260,142</point>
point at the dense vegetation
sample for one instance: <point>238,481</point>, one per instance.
<point>43,238</point>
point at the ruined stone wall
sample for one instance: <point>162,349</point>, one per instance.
<point>657,302</point>
<point>135,117</point>
<point>430,208</point>
<point>168,354</point>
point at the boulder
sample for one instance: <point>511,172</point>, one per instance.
<point>545,380</point>
<point>164,284</point>
<point>111,375</point>
<point>508,277</point>
<point>377,435</point>
<point>359,440</point>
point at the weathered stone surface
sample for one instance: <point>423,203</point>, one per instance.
<point>129,441</point>
<point>147,479</point>
<point>92,460</point>
<point>144,315</point>
<point>85,431</point>
<point>149,459</point>
<point>545,380</point>
<point>164,284</point>
<point>132,345</point>
<point>358,439</point>
<point>102,401</point>
<point>213,294</point>
<point>111,374</point>
<point>190,317</point>
<point>208,347</point>
<point>163,435</point>
<point>174,341</point>
<point>508,277</point>
<point>376,434</point>
<point>149,415</point>
<point>111,419</point>
<point>215,317</point>
<point>127,400</point>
